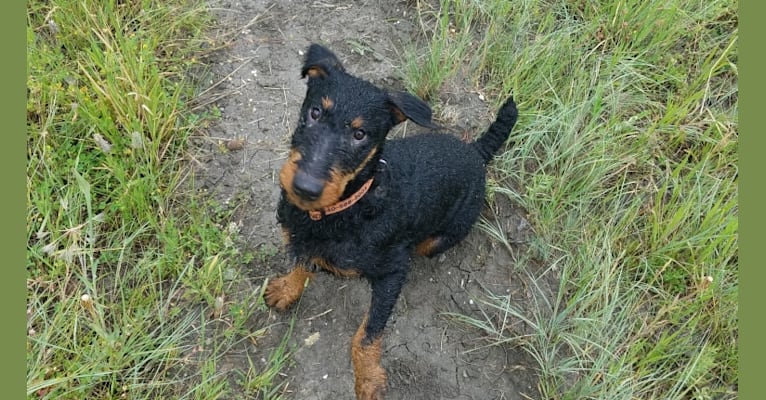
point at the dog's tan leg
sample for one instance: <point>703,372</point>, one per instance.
<point>345,273</point>
<point>282,292</point>
<point>370,376</point>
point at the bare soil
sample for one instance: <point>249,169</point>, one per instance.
<point>427,354</point>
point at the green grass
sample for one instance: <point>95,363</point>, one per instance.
<point>626,163</point>
<point>130,280</point>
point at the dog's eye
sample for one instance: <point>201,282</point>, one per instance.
<point>359,134</point>
<point>315,113</point>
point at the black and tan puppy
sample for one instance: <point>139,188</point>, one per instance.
<point>355,204</point>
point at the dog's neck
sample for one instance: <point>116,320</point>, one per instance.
<point>355,190</point>
<point>370,171</point>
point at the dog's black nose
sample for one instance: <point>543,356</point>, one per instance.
<point>306,186</point>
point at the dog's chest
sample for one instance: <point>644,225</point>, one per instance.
<point>348,254</point>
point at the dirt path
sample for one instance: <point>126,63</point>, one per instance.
<point>427,356</point>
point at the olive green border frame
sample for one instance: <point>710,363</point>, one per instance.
<point>13,166</point>
<point>751,60</point>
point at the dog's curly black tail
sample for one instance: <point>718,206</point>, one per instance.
<point>497,133</point>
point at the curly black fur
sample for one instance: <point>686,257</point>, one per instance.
<point>425,187</point>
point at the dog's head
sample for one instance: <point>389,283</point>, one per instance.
<point>342,127</point>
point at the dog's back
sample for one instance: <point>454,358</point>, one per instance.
<point>440,181</point>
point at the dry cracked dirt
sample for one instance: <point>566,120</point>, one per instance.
<point>427,354</point>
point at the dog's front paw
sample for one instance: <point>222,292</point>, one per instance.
<point>370,383</point>
<point>282,292</point>
<point>370,377</point>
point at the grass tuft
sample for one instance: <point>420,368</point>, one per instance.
<point>626,163</point>
<point>127,272</point>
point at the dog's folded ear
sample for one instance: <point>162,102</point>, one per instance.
<point>404,105</point>
<point>320,62</point>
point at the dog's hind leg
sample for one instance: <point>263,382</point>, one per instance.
<point>461,221</point>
